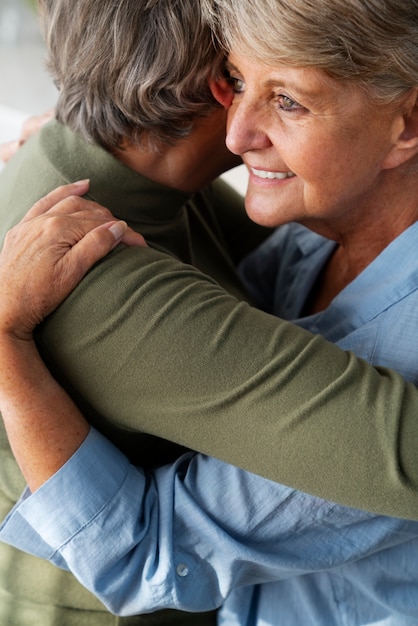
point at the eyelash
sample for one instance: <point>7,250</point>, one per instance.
<point>233,81</point>
<point>237,85</point>
<point>294,106</point>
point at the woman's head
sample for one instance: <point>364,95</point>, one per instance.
<point>324,107</point>
<point>132,69</point>
<point>371,42</point>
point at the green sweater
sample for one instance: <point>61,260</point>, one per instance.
<point>209,230</point>
<point>147,344</point>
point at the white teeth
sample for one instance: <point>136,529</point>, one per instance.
<point>279,175</point>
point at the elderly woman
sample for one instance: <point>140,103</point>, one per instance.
<point>323,113</point>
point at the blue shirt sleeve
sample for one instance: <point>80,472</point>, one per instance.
<point>82,478</point>
<point>187,534</point>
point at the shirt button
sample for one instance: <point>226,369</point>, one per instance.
<point>182,570</point>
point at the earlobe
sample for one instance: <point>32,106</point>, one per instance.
<point>222,91</point>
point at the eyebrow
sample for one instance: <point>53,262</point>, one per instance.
<point>285,84</point>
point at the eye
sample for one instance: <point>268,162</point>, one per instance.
<point>285,103</point>
<point>236,83</point>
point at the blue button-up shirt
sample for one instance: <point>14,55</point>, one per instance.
<point>200,533</point>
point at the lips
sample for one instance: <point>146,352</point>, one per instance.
<point>271,175</point>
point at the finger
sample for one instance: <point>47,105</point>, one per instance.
<point>132,238</point>
<point>74,206</point>
<point>91,248</point>
<point>80,208</point>
<point>54,197</point>
<point>121,233</point>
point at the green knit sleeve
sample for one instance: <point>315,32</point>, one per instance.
<point>153,345</point>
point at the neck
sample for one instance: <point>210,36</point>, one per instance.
<point>188,165</point>
<point>361,239</point>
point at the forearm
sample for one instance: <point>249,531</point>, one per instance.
<point>43,425</point>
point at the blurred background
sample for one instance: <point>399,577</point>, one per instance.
<point>25,86</point>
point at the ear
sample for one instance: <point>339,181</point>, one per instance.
<point>405,129</point>
<point>222,91</point>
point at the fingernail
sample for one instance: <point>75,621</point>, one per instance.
<point>118,228</point>
<point>82,183</point>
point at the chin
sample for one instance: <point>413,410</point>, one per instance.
<point>264,209</point>
<point>260,215</point>
<point>263,219</point>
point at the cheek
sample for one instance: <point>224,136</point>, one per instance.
<point>299,152</point>
<point>324,166</point>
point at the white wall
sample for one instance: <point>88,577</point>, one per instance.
<point>238,178</point>
<point>25,83</point>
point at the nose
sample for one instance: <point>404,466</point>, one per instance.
<point>245,128</point>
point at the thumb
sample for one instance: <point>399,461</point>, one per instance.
<point>92,247</point>
<point>124,234</point>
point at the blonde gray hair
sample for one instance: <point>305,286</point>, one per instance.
<point>373,43</point>
<point>132,69</point>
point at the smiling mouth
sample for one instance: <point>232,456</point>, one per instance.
<point>272,175</point>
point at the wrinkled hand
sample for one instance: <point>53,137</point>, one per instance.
<point>47,254</point>
<point>29,128</point>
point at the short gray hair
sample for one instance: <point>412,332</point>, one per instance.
<point>132,69</point>
<point>373,43</point>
